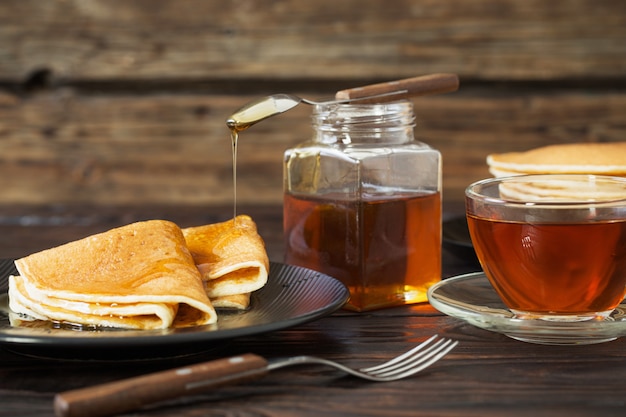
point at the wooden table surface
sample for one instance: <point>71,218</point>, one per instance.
<point>488,374</point>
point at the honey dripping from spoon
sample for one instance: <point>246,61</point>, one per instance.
<point>269,106</point>
<point>234,136</point>
<point>249,115</point>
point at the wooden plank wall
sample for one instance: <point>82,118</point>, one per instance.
<point>124,102</point>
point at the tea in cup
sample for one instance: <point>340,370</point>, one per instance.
<point>552,246</point>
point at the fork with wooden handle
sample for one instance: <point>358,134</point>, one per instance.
<point>130,394</point>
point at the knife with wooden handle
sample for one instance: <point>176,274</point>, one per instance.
<point>130,394</point>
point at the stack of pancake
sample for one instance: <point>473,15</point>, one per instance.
<point>573,158</point>
<point>145,275</point>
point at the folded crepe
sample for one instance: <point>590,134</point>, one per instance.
<point>139,276</point>
<point>232,259</point>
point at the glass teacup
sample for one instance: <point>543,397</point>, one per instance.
<point>553,246</point>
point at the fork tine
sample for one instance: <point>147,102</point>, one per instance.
<point>419,362</point>
<point>402,357</point>
<point>419,359</point>
<point>424,361</point>
<point>417,356</point>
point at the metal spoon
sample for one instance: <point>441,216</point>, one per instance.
<point>269,106</point>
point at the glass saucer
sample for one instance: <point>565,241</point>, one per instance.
<point>471,298</point>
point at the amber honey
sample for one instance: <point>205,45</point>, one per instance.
<point>385,249</point>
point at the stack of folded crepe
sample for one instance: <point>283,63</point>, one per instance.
<point>232,259</point>
<point>572,158</point>
<point>139,276</point>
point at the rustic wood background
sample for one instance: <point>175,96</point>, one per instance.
<point>122,102</point>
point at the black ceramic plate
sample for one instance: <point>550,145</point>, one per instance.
<point>456,239</point>
<point>292,296</point>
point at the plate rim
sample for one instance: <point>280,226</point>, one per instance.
<point>339,295</point>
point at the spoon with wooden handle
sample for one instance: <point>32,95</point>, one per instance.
<point>269,106</point>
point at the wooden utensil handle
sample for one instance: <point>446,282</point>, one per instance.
<point>129,394</point>
<point>416,86</point>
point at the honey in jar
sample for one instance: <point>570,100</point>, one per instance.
<point>362,203</point>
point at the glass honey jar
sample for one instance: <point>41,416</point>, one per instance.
<point>362,203</point>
